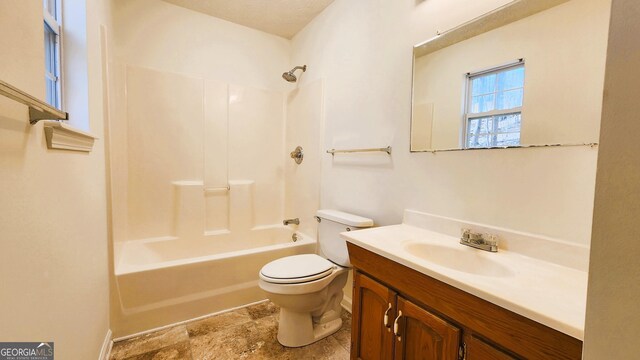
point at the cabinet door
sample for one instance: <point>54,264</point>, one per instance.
<point>370,338</point>
<point>422,335</point>
<point>477,349</point>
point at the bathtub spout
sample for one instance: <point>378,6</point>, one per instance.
<point>295,221</point>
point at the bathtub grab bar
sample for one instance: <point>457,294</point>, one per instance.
<point>334,151</point>
<point>38,109</point>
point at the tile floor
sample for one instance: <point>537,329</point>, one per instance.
<point>248,333</point>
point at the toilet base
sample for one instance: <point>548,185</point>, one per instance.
<point>299,329</point>
<point>308,311</point>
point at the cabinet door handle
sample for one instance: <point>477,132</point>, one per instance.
<point>386,318</point>
<point>396,328</point>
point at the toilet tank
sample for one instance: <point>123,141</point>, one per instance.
<point>332,223</point>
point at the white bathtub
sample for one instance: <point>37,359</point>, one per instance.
<point>163,281</point>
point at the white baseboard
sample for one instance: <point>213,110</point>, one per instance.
<point>130,336</point>
<point>346,304</point>
<point>105,351</point>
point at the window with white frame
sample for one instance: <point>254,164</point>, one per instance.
<point>52,51</point>
<point>494,107</point>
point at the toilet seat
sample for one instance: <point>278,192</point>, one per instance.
<point>297,269</point>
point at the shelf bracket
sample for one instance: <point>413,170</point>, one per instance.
<point>36,114</point>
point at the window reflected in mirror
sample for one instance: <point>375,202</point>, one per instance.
<point>494,107</point>
<point>535,81</point>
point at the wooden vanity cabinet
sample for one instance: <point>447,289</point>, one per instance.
<point>478,349</point>
<point>389,326</point>
<point>423,335</point>
<point>376,310</point>
<point>399,313</point>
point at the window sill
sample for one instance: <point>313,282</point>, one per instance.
<point>64,137</point>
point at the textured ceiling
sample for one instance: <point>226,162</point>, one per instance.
<point>279,17</point>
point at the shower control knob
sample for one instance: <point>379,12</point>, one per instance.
<point>297,155</point>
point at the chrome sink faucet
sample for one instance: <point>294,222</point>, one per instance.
<point>295,221</point>
<point>486,242</point>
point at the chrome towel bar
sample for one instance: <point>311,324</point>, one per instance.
<point>38,109</point>
<point>344,151</point>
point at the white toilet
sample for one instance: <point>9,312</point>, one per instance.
<point>308,288</point>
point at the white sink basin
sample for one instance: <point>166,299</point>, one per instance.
<point>468,260</point>
<point>545,292</point>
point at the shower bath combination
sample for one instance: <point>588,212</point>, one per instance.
<point>290,77</point>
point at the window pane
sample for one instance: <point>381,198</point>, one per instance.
<point>471,140</point>
<point>486,125</point>
<point>52,29</point>
<point>508,123</point>
<point>480,125</point>
<point>482,103</point>
<point>51,92</point>
<point>478,131</point>
<point>510,139</point>
<point>51,66</point>
<point>483,85</point>
<point>478,142</point>
<point>511,79</point>
<point>49,49</point>
<point>491,131</point>
<point>509,99</point>
<point>473,127</point>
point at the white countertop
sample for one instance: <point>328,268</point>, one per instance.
<point>545,292</point>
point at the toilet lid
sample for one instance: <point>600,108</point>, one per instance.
<point>297,269</point>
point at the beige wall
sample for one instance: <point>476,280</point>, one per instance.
<point>564,50</point>
<point>367,104</point>
<point>165,37</point>
<point>52,213</point>
<point>613,319</point>
<point>302,181</point>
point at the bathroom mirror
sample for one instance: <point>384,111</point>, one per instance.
<point>530,73</point>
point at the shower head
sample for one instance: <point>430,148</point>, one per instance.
<point>289,75</point>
